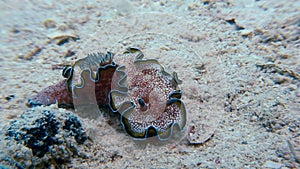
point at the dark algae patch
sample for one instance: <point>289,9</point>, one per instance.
<point>38,138</point>
<point>51,137</point>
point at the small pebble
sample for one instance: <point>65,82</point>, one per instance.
<point>49,23</point>
<point>297,92</point>
<point>193,6</point>
<point>8,98</point>
<point>69,53</point>
<point>292,87</point>
<point>284,56</point>
<point>271,164</point>
<point>247,33</point>
<point>280,79</point>
<point>244,142</point>
<point>206,2</point>
<point>29,56</point>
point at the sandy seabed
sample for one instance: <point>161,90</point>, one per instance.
<point>239,62</point>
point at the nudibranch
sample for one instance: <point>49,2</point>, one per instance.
<point>146,97</point>
<point>87,77</point>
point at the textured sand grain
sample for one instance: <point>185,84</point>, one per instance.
<point>239,62</point>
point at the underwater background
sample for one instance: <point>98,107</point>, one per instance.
<point>238,60</point>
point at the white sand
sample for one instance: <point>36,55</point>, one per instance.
<point>239,62</point>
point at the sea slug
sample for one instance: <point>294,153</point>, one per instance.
<point>146,97</point>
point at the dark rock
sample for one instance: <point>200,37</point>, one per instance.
<point>52,137</point>
<point>73,125</point>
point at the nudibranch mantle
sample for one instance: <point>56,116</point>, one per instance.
<point>89,79</point>
<point>146,97</point>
